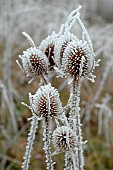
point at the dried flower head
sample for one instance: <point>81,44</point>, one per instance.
<point>77,59</point>
<point>64,138</point>
<point>60,46</point>
<point>47,46</point>
<point>46,102</point>
<point>34,62</point>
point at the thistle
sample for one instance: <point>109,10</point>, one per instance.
<point>64,138</point>
<point>46,102</point>
<point>34,61</point>
<point>77,54</point>
<point>61,45</point>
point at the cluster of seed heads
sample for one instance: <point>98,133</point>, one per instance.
<point>65,54</point>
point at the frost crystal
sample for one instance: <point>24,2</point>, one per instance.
<point>46,101</point>
<point>76,54</point>
<point>34,62</point>
<point>64,138</point>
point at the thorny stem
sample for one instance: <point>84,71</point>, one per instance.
<point>31,137</point>
<point>46,138</point>
<point>68,162</point>
<point>75,123</point>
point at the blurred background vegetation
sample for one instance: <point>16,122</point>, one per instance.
<point>39,18</point>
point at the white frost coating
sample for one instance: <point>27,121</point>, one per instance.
<point>47,142</point>
<point>29,39</point>
<point>85,33</point>
<point>30,140</point>
<point>72,19</point>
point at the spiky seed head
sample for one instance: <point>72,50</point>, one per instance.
<point>60,46</point>
<point>46,102</point>
<point>34,62</point>
<point>47,46</point>
<point>64,138</point>
<point>76,55</point>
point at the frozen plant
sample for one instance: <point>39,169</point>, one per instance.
<point>67,56</point>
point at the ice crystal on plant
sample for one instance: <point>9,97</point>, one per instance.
<point>46,101</point>
<point>64,138</point>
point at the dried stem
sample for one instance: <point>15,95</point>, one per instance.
<point>47,141</point>
<point>30,140</point>
<point>75,123</point>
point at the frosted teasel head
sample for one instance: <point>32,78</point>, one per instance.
<point>47,47</point>
<point>64,139</point>
<point>77,59</point>
<point>61,45</point>
<point>34,61</point>
<point>46,102</point>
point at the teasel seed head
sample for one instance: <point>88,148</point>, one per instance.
<point>47,46</point>
<point>34,62</point>
<point>46,102</point>
<point>64,138</point>
<point>76,55</point>
<point>61,45</point>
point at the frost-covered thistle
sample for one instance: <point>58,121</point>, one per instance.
<point>77,53</point>
<point>34,62</point>
<point>47,46</point>
<point>64,139</point>
<point>65,54</point>
<point>46,102</point>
